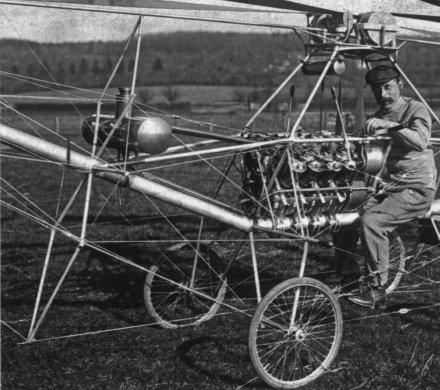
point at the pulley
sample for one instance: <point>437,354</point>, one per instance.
<point>377,28</point>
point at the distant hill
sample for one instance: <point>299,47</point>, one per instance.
<point>233,59</point>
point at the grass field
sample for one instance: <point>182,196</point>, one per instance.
<point>394,348</point>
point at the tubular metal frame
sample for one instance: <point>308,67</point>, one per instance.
<point>188,200</point>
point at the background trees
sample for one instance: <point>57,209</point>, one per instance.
<point>233,59</point>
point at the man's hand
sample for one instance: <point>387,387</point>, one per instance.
<point>377,126</point>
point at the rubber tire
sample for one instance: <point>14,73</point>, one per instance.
<point>278,303</point>
<point>397,256</point>
<point>172,306</point>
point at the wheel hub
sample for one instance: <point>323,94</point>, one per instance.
<point>300,335</point>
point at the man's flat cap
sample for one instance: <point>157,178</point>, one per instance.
<point>381,74</point>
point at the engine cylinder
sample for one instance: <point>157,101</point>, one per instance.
<point>122,101</point>
<point>320,178</point>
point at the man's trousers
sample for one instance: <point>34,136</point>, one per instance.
<point>381,215</point>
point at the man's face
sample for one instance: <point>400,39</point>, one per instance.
<point>387,94</point>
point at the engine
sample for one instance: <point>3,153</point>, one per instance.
<point>315,176</point>
<point>125,133</point>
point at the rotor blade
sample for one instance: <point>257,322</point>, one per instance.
<point>154,4</point>
<point>433,2</point>
<point>287,5</point>
<point>410,10</point>
<point>429,18</point>
<point>140,12</point>
<point>420,41</point>
<point>433,34</point>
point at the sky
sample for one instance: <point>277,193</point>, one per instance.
<point>54,25</point>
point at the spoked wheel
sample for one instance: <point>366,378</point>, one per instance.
<point>186,287</point>
<point>397,256</point>
<point>295,333</point>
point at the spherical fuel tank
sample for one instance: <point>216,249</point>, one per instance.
<point>153,136</point>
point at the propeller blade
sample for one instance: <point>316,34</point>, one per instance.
<point>433,2</point>
<point>111,9</point>
<point>428,18</point>
<point>154,4</point>
<point>420,41</point>
<point>287,5</point>
<point>422,12</point>
<point>433,34</point>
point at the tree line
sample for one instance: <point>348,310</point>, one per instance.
<point>233,59</point>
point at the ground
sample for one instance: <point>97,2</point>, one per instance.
<point>395,348</point>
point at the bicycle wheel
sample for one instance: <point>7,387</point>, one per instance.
<point>295,333</point>
<point>397,257</point>
<point>184,289</point>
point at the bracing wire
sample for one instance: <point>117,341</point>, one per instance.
<point>33,215</point>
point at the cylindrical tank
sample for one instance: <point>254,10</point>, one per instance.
<point>149,135</point>
<point>378,28</point>
<point>121,136</point>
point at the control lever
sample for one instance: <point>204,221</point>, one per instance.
<point>344,134</point>
<point>292,94</point>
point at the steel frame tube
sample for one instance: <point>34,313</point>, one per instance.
<point>277,91</point>
<point>161,191</point>
<point>210,135</point>
<point>47,258</point>
<point>255,266</point>
<point>179,199</point>
<point>55,292</point>
<point>313,93</point>
<point>49,150</point>
<point>137,183</point>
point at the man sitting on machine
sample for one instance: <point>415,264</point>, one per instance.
<point>409,176</point>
